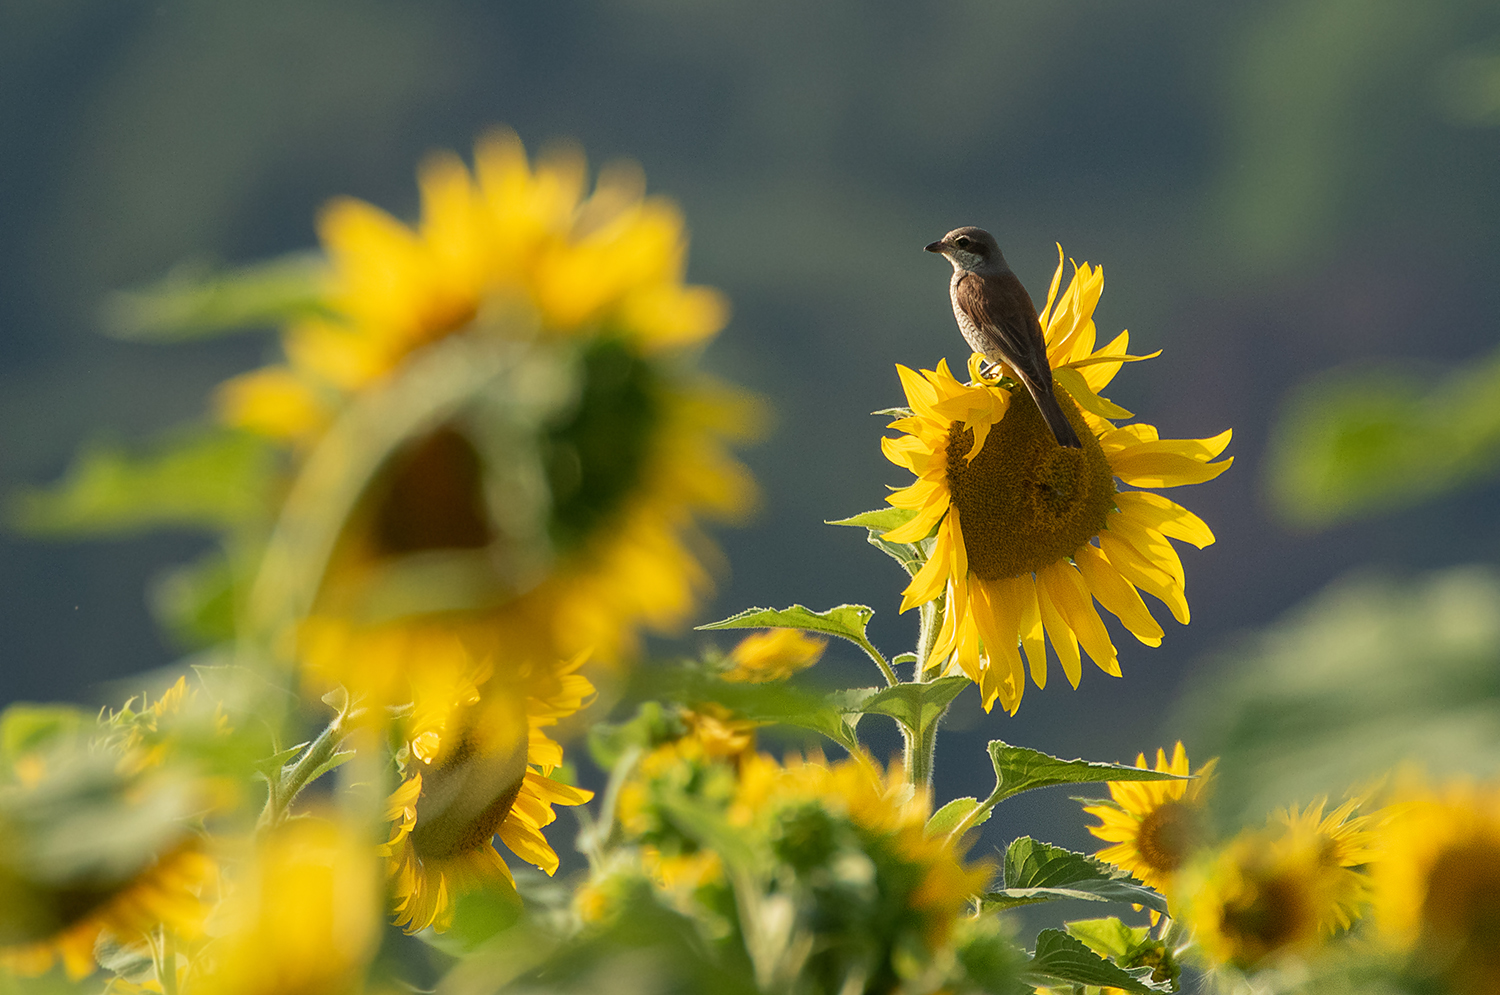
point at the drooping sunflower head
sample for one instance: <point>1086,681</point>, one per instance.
<point>478,761</point>
<point>1437,882</point>
<point>1156,826</point>
<point>1026,534</point>
<point>555,498</point>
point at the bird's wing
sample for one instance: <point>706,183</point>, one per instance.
<point>1002,308</point>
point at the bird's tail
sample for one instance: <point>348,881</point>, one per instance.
<point>1052,414</point>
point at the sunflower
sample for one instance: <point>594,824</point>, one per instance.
<point>634,456</point>
<point>924,877</point>
<point>1345,844</point>
<point>1437,882</point>
<point>300,916</point>
<point>1155,826</point>
<point>1029,533</point>
<point>478,766</point>
<point>70,877</point>
<point>1266,894</point>
<point>773,655</point>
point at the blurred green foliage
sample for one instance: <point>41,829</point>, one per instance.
<point>1357,442</point>
<point>1369,674</point>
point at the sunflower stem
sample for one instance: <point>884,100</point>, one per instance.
<point>932,623</point>
<point>298,774</point>
<point>921,746</point>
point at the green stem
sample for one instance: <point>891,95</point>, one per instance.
<point>977,813</point>
<point>298,774</point>
<point>891,680</point>
<point>921,747</point>
<point>932,624</point>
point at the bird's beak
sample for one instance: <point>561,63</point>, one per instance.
<point>937,246</point>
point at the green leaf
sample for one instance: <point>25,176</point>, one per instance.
<point>916,706</point>
<point>1039,872</point>
<point>479,915</point>
<point>194,300</point>
<point>208,477</point>
<point>947,818</point>
<point>911,556</point>
<point>196,601</point>
<point>332,763</point>
<point>1019,769</point>
<point>1061,957</point>
<point>879,520</point>
<point>1356,442</point>
<point>845,621</point>
<point>271,766</point>
<point>25,728</point>
<point>1108,937</point>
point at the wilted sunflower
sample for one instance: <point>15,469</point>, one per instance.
<point>478,767</point>
<point>633,456</point>
<point>1029,533</point>
<point>1155,826</point>
<point>1437,882</point>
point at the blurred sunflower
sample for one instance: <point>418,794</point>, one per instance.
<point>629,460</point>
<point>1028,533</point>
<point>478,767</point>
<point>1346,843</point>
<point>773,655</point>
<point>917,885</point>
<point>1437,882</point>
<point>70,877</point>
<point>300,916</point>
<point>1265,895</point>
<point>1155,826</point>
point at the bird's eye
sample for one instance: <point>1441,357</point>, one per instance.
<point>962,241</point>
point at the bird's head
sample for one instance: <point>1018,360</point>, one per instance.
<point>970,248</point>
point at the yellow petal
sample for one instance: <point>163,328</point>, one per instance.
<point>1118,595</point>
<point>1166,516</point>
<point>1071,598</point>
<point>1144,574</point>
<point>1063,641</point>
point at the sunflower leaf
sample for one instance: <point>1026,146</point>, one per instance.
<point>1019,769</point>
<point>195,301</point>
<point>947,818</point>
<point>1039,872</point>
<point>880,519</point>
<point>206,477</point>
<point>845,621</point>
<point>1061,957</point>
<point>916,706</point>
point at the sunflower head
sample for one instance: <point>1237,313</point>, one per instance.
<point>1266,895</point>
<point>854,838</point>
<point>97,840</point>
<point>300,918</point>
<point>1437,882</point>
<point>554,500</point>
<point>773,655</point>
<point>1026,535</point>
<point>1155,826</point>
<point>477,764</point>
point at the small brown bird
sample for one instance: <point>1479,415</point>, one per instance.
<point>998,319</point>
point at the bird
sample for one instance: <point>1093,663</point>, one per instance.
<point>999,320</point>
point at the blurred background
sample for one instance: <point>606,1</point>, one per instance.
<point>1275,190</point>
